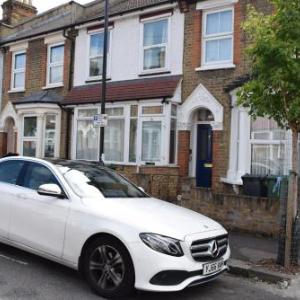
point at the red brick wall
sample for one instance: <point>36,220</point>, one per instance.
<point>216,80</point>
<point>3,143</point>
<point>183,152</point>
<point>36,76</point>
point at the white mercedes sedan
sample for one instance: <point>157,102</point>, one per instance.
<point>92,219</point>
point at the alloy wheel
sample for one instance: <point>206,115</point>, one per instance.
<point>106,267</point>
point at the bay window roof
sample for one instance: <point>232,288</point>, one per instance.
<point>127,90</point>
<point>40,97</point>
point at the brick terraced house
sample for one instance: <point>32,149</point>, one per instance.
<point>174,68</point>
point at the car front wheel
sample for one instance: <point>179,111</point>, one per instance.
<point>108,268</point>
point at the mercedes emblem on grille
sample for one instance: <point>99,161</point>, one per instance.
<point>214,248</point>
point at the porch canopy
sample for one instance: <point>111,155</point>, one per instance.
<point>127,90</point>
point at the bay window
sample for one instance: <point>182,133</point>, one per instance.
<point>50,136</point>
<point>257,146</point>
<point>87,135</point>
<point>151,141</point>
<point>55,67</point>
<point>217,38</point>
<point>96,54</point>
<point>268,143</point>
<point>29,136</point>
<point>155,44</point>
<point>133,133</point>
<point>114,135</point>
<point>18,71</point>
<point>136,133</point>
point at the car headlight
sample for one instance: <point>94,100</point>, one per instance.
<point>162,244</point>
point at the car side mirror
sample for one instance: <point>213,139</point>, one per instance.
<point>52,190</point>
<point>141,189</point>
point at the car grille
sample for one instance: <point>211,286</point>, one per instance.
<point>209,249</point>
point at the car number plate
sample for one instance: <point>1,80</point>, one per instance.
<point>213,267</point>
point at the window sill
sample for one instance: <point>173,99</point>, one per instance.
<point>152,73</point>
<point>96,79</point>
<point>16,91</point>
<point>232,181</point>
<point>216,67</point>
<point>53,86</point>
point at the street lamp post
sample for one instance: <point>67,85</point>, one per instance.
<point>104,74</point>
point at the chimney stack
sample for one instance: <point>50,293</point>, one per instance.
<point>16,11</point>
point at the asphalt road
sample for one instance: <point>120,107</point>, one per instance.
<point>25,276</point>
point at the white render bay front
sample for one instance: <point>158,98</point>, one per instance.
<point>145,58</point>
<point>138,133</point>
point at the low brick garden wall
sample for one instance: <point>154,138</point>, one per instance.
<point>235,212</point>
<point>160,182</point>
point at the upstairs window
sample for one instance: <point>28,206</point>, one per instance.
<point>18,71</point>
<point>96,54</point>
<point>55,64</point>
<point>218,37</point>
<point>155,42</point>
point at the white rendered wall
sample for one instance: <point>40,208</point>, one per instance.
<point>125,51</point>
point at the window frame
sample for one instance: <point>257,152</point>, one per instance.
<point>267,142</point>
<point>17,71</point>
<point>44,135</point>
<point>165,118</point>
<point>153,19</point>
<point>89,57</point>
<point>216,37</point>
<point>29,138</point>
<point>57,64</point>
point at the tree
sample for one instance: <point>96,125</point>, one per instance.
<point>273,90</point>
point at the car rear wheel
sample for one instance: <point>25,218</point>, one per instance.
<point>108,268</point>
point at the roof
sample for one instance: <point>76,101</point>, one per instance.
<point>40,97</point>
<point>139,89</point>
<point>71,14</point>
<point>95,9</point>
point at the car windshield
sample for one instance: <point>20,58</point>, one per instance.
<point>93,181</point>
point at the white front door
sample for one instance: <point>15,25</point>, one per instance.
<point>9,174</point>
<point>39,221</point>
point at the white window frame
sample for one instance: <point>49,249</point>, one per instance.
<point>266,142</point>
<point>30,138</point>
<point>166,68</point>
<point>76,119</point>
<point>55,135</point>
<point>125,132</point>
<point>164,132</point>
<point>165,118</point>
<point>17,71</point>
<point>57,64</point>
<point>109,50</point>
<point>241,142</point>
<point>225,64</point>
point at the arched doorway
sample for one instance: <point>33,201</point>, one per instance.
<point>202,145</point>
<point>9,128</point>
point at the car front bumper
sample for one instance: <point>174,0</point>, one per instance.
<point>155,271</point>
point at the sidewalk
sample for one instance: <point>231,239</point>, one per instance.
<point>252,249</point>
<point>247,253</point>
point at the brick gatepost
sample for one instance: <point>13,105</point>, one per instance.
<point>3,143</point>
<point>184,137</point>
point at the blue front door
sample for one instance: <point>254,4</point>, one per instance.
<point>204,156</point>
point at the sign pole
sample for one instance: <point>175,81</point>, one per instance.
<point>104,74</point>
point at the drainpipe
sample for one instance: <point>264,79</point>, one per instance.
<point>71,36</point>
